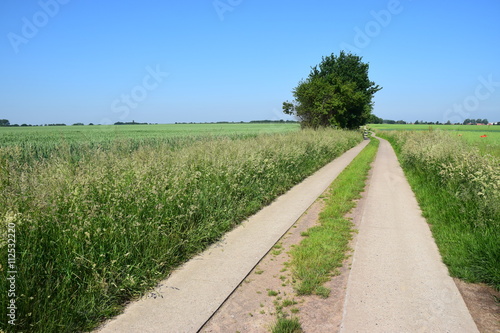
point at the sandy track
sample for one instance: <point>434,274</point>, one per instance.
<point>398,282</point>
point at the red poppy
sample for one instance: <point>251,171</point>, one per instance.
<point>483,136</point>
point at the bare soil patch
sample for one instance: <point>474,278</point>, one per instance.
<point>251,308</point>
<point>483,304</point>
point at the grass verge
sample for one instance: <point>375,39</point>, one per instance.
<point>458,190</point>
<point>318,256</point>
<point>470,252</point>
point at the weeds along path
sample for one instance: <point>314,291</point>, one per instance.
<point>189,297</point>
<point>398,282</point>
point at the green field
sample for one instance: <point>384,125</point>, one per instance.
<point>12,135</point>
<point>56,139</point>
<point>101,214</point>
<point>489,144</point>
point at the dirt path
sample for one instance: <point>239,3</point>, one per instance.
<point>189,297</point>
<point>398,282</point>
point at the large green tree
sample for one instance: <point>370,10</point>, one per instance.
<point>337,93</point>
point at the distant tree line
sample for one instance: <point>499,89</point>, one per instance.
<point>475,121</point>
<point>273,121</point>
<point>422,122</point>
<point>6,123</point>
<point>129,123</point>
<point>373,119</point>
<point>243,122</point>
<point>388,121</point>
<point>376,120</point>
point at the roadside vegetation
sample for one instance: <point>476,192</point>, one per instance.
<point>97,224</point>
<point>457,184</point>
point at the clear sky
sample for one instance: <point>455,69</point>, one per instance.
<point>67,61</point>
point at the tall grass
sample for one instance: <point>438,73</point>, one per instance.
<point>287,325</point>
<point>458,189</point>
<point>100,229</point>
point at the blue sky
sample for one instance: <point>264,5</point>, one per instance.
<point>67,61</point>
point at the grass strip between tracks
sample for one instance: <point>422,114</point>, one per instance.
<point>324,249</point>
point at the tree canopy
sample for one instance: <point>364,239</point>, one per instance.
<point>373,119</point>
<point>337,93</point>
